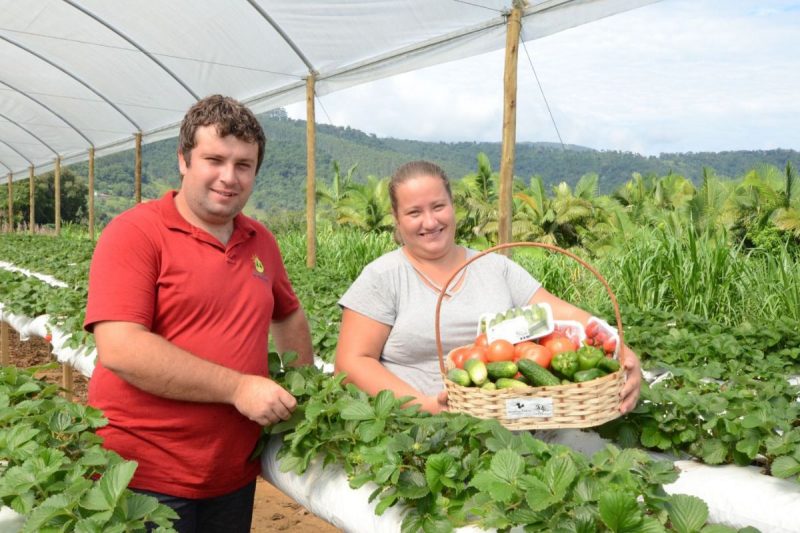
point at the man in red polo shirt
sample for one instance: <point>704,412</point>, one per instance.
<point>183,293</point>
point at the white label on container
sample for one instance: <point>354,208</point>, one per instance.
<point>513,330</point>
<point>529,408</point>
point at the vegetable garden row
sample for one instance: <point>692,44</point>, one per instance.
<point>716,327</point>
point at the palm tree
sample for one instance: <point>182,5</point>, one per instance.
<point>367,206</point>
<point>330,197</point>
<point>787,216</point>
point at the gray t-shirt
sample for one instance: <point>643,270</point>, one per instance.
<point>390,291</point>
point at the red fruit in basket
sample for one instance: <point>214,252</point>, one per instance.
<point>500,350</point>
<point>558,344</point>
<point>520,347</point>
<point>610,345</point>
<point>600,338</point>
<point>542,355</point>
<point>592,328</point>
<point>481,340</point>
<point>459,355</point>
<point>476,352</point>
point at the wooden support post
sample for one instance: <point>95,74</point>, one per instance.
<point>509,126</point>
<point>67,381</point>
<point>137,175</point>
<point>10,202</point>
<point>57,180</point>
<point>91,193</point>
<point>5,360</point>
<point>31,200</point>
<point>311,186</point>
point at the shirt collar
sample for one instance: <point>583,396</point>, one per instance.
<point>243,226</point>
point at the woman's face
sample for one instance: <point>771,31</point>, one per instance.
<point>425,217</point>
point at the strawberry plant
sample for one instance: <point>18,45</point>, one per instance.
<point>452,470</point>
<point>54,469</point>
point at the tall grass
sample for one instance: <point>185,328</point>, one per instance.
<point>343,251</point>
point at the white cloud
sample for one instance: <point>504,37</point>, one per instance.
<point>678,75</point>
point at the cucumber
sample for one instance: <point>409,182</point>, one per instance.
<point>536,374</point>
<point>488,386</point>
<point>459,377</point>
<point>508,383</point>
<point>477,371</point>
<point>501,369</point>
<point>587,375</point>
<point>608,365</point>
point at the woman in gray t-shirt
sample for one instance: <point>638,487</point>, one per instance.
<point>387,338</point>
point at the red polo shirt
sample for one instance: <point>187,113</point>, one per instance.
<point>153,268</point>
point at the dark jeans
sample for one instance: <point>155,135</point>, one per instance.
<point>229,513</point>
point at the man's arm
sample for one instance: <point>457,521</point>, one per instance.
<point>292,334</point>
<point>155,365</point>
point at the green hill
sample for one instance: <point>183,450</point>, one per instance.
<point>281,182</point>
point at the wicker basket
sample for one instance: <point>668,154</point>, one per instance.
<point>575,405</point>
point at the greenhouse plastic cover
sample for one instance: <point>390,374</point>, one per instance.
<point>76,74</point>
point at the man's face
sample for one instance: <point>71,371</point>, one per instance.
<point>219,179</point>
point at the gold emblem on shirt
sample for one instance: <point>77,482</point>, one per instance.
<point>259,266</point>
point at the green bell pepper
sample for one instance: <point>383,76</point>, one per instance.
<point>589,357</point>
<point>565,364</point>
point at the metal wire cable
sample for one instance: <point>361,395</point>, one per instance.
<point>544,97</point>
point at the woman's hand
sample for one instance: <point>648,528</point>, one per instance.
<point>633,373</point>
<point>434,404</point>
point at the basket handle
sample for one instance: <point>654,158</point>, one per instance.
<point>551,247</point>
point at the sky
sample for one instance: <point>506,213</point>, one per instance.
<point>674,76</point>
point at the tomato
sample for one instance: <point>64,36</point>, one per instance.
<point>481,340</point>
<point>476,352</point>
<point>519,348</point>
<point>610,345</point>
<point>600,338</point>
<point>459,355</point>
<point>542,355</point>
<point>558,344</point>
<point>500,350</point>
<point>592,328</point>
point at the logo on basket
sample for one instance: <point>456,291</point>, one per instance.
<point>529,408</point>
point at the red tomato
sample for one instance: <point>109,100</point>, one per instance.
<point>539,354</point>
<point>476,352</point>
<point>500,350</point>
<point>610,345</point>
<point>592,328</point>
<point>558,344</point>
<point>480,340</point>
<point>459,355</point>
<point>519,348</point>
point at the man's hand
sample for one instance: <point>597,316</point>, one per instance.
<point>262,400</point>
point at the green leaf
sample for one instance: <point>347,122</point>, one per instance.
<point>357,410</point>
<point>384,403</point>
<point>619,511</point>
<point>104,495</point>
<point>439,471</point>
<point>538,495</point>
<point>507,465</point>
<point>559,474</point>
<point>784,467</point>
<point>713,451</point>
<point>412,485</point>
<point>370,430</point>
<point>718,528</point>
<point>687,514</point>
<point>138,506</point>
